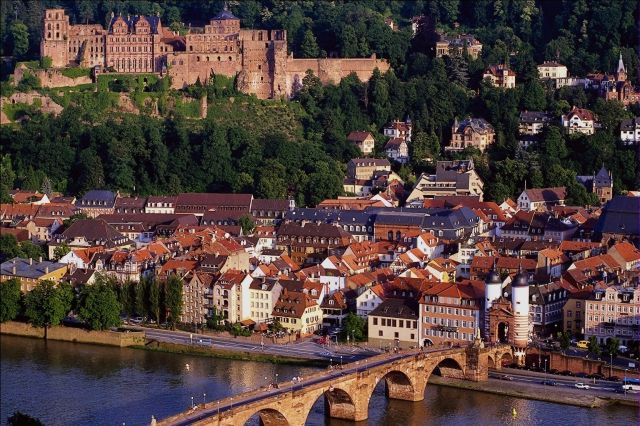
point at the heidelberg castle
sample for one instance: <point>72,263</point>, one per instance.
<point>140,44</point>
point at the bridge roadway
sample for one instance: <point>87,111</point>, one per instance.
<point>216,408</point>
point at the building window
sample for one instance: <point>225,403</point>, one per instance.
<point>380,333</point>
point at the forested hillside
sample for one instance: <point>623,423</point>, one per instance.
<point>281,148</point>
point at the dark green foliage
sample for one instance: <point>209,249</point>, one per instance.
<point>47,304</point>
<point>173,299</point>
<point>9,299</point>
<point>99,307</point>
<point>10,248</point>
<point>354,327</point>
<point>20,419</point>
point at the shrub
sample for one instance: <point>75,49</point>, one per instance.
<point>76,72</point>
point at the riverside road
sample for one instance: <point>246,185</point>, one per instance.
<point>306,349</point>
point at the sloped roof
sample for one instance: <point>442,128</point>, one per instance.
<point>357,136</point>
<point>546,194</point>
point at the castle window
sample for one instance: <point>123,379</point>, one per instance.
<point>197,58</point>
<point>230,59</point>
<point>259,67</point>
<point>57,26</point>
<point>260,36</point>
<point>49,26</point>
<point>57,35</point>
<point>191,48</point>
<point>218,58</point>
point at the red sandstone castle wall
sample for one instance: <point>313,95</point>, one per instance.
<point>331,70</point>
<point>186,68</point>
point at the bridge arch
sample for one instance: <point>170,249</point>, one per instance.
<point>448,367</point>
<point>335,402</point>
<point>491,362</point>
<point>506,358</point>
<point>267,417</point>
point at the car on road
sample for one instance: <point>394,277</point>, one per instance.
<point>614,378</point>
<point>549,383</point>
<point>582,386</point>
<point>507,377</point>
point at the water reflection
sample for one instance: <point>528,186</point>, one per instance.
<point>74,384</point>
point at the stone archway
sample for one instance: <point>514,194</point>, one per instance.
<point>339,404</point>
<point>506,359</point>
<point>448,367</point>
<point>491,362</point>
<point>399,386</point>
<point>502,332</point>
<point>267,417</point>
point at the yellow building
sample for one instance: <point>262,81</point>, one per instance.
<point>298,313</point>
<point>30,271</point>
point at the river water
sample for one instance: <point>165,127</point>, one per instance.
<point>74,384</point>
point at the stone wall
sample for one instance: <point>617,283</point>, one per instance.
<point>185,68</point>
<point>50,78</point>
<point>76,335</point>
<point>575,364</point>
<point>331,70</point>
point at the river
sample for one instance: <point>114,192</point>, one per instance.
<point>74,384</point>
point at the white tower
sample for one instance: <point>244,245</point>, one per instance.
<point>520,305</point>
<point>492,292</point>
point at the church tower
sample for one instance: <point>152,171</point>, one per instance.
<point>621,73</point>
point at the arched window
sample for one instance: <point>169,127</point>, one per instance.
<point>390,235</point>
<point>398,235</point>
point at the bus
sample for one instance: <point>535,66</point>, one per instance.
<point>631,385</point>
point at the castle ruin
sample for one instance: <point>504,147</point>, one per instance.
<point>140,44</point>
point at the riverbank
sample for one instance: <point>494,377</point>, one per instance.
<point>215,352</point>
<point>120,339</point>
<point>534,392</point>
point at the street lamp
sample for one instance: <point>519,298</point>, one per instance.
<point>204,399</point>
<point>218,408</point>
<point>610,363</point>
<point>340,361</point>
<point>192,406</point>
<point>276,380</point>
<point>330,362</point>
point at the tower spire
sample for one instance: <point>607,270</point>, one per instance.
<point>621,67</point>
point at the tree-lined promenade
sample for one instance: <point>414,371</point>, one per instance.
<point>99,306</point>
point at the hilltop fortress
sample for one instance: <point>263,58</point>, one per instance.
<point>140,44</point>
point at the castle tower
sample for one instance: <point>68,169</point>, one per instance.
<point>603,185</point>
<point>55,37</point>
<point>520,305</point>
<point>492,292</point>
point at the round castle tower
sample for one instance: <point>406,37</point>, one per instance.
<point>520,306</point>
<point>492,292</point>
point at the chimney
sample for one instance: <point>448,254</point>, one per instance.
<point>30,261</point>
<point>40,259</point>
<point>46,269</point>
<point>13,269</point>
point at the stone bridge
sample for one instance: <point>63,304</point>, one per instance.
<point>347,391</point>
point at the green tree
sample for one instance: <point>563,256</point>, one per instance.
<point>611,346</point>
<point>7,178</point>
<point>19,38</point>
<point>8,247</point>
<point>9,299</point>
<point>20,419</point>
<point>354,326</point>
<point>348,42</point>
<point>99,306</point>
<point>173,299</point>
<point>154,298</point>
<point>247,224</point>
<point>61,251</point>
<point>565,340</point>
<point>593,347</point>
<point>309,46</point>
<point>140,298</point>
<point>46,62</point>
<point>46,305</point>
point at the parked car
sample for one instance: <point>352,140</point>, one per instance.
<point>614,378</point>
<point>136,320</point>
<point>566,373</point>
<point>549,383</point>
<point>582,375</point>
<point>582,386</point>
<point>507,377</point>
<point>597,376</point>
<point>554,371</point>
